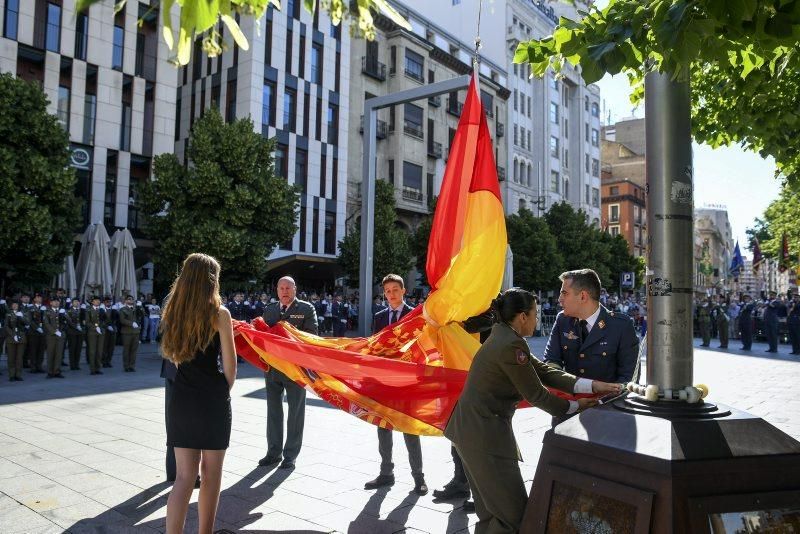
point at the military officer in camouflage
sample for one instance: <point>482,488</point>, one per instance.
<point>704,321</point>
<point>75,334</point>
<point>15,341</point>
<point>129,329</point>
<point>587,340</point>
<point>95,331</point>
<point>55,328</point>
<point>502,374</point>
<point>302,315</point>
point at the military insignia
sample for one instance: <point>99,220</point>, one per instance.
<point>522,357</point>
<point>601,323</point>
<point>571,335</point>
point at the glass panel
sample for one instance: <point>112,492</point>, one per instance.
<point>119,43</point>
<point>53,38</point>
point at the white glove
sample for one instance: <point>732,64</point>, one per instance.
<point>138,302</point>
<point>58,333</point>
<point>247,303</point>
<point>2,301</point>
<point>16,339</point>
<point>110,328</point>
<point>83,306</point>
<point>18,314</point>
<point>43,308</point>
<point>62,310</point>
<point>135,324</point>
<point>79,328</point>
<point>97,329</point>
<point>40,330</point>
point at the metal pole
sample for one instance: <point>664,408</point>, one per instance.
<point>670,221</point>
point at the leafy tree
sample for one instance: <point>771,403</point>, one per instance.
<point>760,231</point>
<point>391,246</point>
<point>419,242</point>
<point>537,260</point>
<point>741,58</point>
<point>37,187</point>
<point>620,260</point>
<point>781,217</point>
<point>200,17</point>
<point>228,202</point>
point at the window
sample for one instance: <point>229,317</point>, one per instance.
<point>119,48</point>
<point>282,160</point>
<point>637,216</point>
<point>81,35</point>
<point>412,176</point>
<point>301,63</point>
<point>613,230</point>
<point>566,128</point>
<point>595,110</point>
<point>554,146</point>
<point>566,187</point>
<point>89,112</point>
<point>522,136</point>
<point>554,83</point>
<point>595,137</point>
<point>333,124</point>
<point>230,101</point>
<point>516,140</point>
<point>301,169</point>
<point>516,172</point>
<point>529,107</point>
<point>595,197</point>
<point>586,165</point>
<point>53,35</point>
<point>110,200</point>
<point>586,195</point>
<point>63,107</point>
<point>289,40</point>
<point>412,120</point>
<point>587,131</point>
<point>125,128</point>
<point>553,112</point>
<point>613,213</point>
<point>268,104</point>
<point>566,158</point>
<point>392,59</point>
<point>138,68</point>
<point>11,19</point>
<point>555,181</point>
<point>595,167</point>
<point>391,171</point>
<point>586,103</point>
<point>521,105</point>
<point>289,99</point>
<point>415,65</point>
<point>316,63</point>
<point>613,190</point>
<point>516,70</point>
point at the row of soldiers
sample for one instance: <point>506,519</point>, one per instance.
<point>32,330</point>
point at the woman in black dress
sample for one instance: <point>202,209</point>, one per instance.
<point>196,331</point>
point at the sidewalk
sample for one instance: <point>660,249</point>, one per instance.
<point>86,454</point>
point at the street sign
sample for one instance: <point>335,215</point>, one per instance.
<point>627,281</point>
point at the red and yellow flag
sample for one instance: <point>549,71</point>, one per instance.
<point>408,376</point>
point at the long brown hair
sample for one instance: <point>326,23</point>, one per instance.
<point>188,323</point>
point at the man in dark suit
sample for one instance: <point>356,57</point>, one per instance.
<point>587,340</point>
<point>302,315</point>
<point>746,321</point>
<point>341,312</point>
<point>394,290</point>
<point>771,314</point>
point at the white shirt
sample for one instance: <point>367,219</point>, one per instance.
<point>592,319</point>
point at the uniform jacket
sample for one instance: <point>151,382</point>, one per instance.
<point>503,373</point>
<point>128,316</point>
<point>746,313</point>
<point>74,321</point>
<point>340,310</point>
<point>35,319</point>
<point>609,353</point>
<point>381,319</point>
<point>240,312</point>
<point>14,326</point>
<point>300,314</point>
<point>54,321</point>
<point>95,319</point>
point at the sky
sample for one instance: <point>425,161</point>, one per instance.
<point>740,180</point>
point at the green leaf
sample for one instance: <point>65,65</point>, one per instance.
<point>166,20</point>
<point>596,52</point>
<point>393,15</point>
<point>590,70</point>
<point>236,32</point>
<point>310,5</point>
<point>521,53</point>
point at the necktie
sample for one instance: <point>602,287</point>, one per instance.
<point>283,310</point>
<point>394,317</point>
<point>584,330</point>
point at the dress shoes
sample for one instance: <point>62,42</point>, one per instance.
<point>381,482</point>
<point>420,488</point>
<point>287,464</point>
<point>269,460</point>
<point>452,490</point>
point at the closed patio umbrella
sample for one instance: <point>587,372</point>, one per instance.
<point>94,263</point>
<point>124,271</point>
<point>66,278</point>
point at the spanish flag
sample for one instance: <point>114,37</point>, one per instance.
<point>408,377</point>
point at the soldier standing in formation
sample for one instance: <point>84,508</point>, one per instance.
<point>704,319</point>
<point>240,310</point>
<point>15,341</point>
<point>746,321</point>
<point>771,321</point>
<point>130,329</point>
<point>55,327</point>
<point>793,323</point>
<point>95,332</point>
<point>110,318</point>
<point>302,315</point>
<point>36,339</point>
<point>75,334</point>
<point>722,321</point>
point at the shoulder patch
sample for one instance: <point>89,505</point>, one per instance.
<point>522,357</point>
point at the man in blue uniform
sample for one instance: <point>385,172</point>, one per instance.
<point>746,315</point>
<point>587,340</point>
<point>240,310</point>
<point>771,314</point>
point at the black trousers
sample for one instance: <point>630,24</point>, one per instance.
<point>747,334</point>
<point>458,466</point>
<point>794,334</point>
<point>277,383</point>
<point>385,444</point>
<point>170,460</point>
<point>771,329</point>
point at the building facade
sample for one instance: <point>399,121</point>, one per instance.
<point>552,123</point>
<point>108,80</point>
<point>624,212</point>
<point>713,250</point>
<point>292,82</point>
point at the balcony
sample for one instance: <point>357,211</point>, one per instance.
<point>413,129</point>
<point>412,195</point>
<point>435,101</point>
<point>373,68</point>
<point>381,131</point>
<point>501,174</point>
<point>500,129</point>
<point>435,150</point>
<point>415,75</point>
<point>454,107</point>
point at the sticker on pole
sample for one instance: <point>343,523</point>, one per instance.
<point>681,192</point>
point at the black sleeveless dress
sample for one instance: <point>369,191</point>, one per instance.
<point>199,412</point>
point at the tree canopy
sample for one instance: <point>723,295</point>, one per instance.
<point>227,203</point>
<point>391,246</point>
<point>200,17</point>
<point>419,242</point>
<point>741,57</point>
<point>40,211</point>
<point>780,218</point>
<point>537,260</point>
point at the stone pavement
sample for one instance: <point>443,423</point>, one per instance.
<point>86,454</point>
